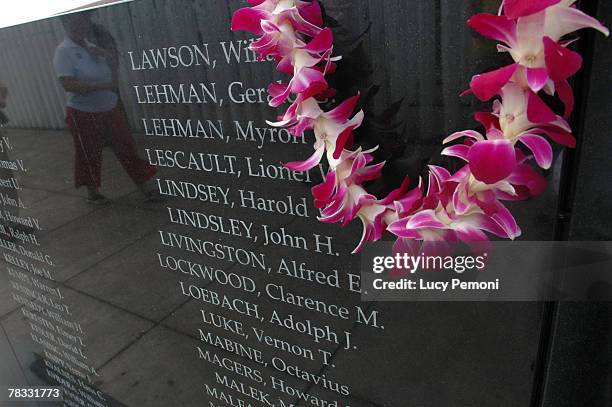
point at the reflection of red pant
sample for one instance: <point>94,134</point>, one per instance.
<point>91,133</point>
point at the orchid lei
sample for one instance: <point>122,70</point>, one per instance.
<point>449,207</point>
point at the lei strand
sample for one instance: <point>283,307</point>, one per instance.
<point>452,207</point>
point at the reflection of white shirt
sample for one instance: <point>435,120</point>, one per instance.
<point>73,60</point>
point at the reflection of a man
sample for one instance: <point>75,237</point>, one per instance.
<point>88,72</point>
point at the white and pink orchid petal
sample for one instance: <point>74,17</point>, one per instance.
<point>521,8</point>
<point>536,78</point>
<point>440,174</point>
<point>562,20</point>
<point>369,173</point>
<point>249,19</point>
<point>402,246</point>
<point>301,24</point>
<point>309,163</point>
<point>305,79</point>
<point>425,219</point>
<point>410,202</point>
<point>341,141</point>
<point>357,120</point>
<point>482,222</point>
<point>303,125</point>
<point>488,120</point>
<point>504,218</point>
<point>566,94</point>
<point>538,111</point>
<point>461,202</point>
<point>372,226</point>
<point>344,110</point>
<point>399,228</point>
<point>280,123</point>
<point>461,175</point>
<point>527,181</point>
<point>466,133</point>
<point>558,135</point>
<point>492,160</point>
<point>488,84</point>
<point>541,149</point>
<point>499,28</point>
<point>560,61</point>
<point>279,92</point>
<point>459,151</point>
<point>324,191</point>
<point>285,65</point>
<point>322,42</point>
<point>503,48</point>
<point>311,12</point>
<point>549,88</point>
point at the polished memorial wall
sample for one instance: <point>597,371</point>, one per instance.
<point>221,288</point>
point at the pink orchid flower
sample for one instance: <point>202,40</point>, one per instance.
<point>490,159</point>
<point>377,215</point>
<point>526,180</point>
<point>439,224</point>
<point>332,130</point>
<point>345,198</point>
<point>471,192</point>
<point>532,41</point>
<point>294,16</point>
<point>352,169</point>
<point>520,116</point>
<point>303,61</point>
<point>443,222</point>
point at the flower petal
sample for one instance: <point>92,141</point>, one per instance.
<point>541,149</point>
<point>466,133</point>
<point>526,176</point>
<point>520,8</point>
<point>492,160</point>
<point>488,84</point>
<point>249,19</point>
<point>503,217</point>
<point>424,219</point>
<point>558,135</point>
<point>565,20</point>
<point>458,150</point>
<point>322,42</point>
<point>536,78</point>
<point>323,192</point>
<point>309,163</point>
<point>343,111</point>
<point>538,111</point>
<point>311,12</point>
<point>560,61</point>
<point>341,141</point>
<point>566,94</point>
<point>499,28</point>
<point>488,120</point>
<point>279,92</point>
